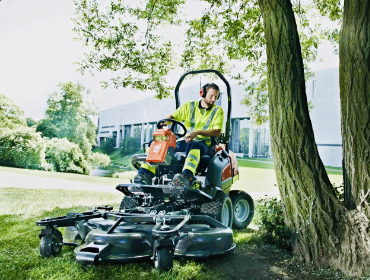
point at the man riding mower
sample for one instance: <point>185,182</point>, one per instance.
<point>203,120</point>
<point>180,203</point>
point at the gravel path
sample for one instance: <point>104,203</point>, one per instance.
<point>12,180</point>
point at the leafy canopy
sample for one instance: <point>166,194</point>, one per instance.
<point>68,115</point>
<point>125,38</point>
<point>11,116</point>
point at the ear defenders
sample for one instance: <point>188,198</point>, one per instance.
<point>203,91</point>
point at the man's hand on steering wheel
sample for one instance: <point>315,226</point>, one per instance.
<point>178,135</point>
<point>161,124</point>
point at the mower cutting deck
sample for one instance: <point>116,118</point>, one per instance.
<point>120,237</point>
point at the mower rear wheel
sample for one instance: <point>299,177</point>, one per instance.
<point>243,209</point>
<point>221,209</point>
<point>163,258</point>
<point>128,203</point>
<point>51,244</point>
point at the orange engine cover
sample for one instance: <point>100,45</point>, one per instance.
<point>163,139</point>
<point>234,163</point>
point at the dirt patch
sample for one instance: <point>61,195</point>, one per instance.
<point>267,262</point>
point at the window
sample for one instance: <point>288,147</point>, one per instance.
<point>108,126</point>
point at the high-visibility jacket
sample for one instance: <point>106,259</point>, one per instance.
<point>196,118</point>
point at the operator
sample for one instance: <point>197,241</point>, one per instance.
<point>202,119</point>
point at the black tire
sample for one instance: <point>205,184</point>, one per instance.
<point>128,203</point>
<point>243,209</point>
<point>220,208</point>
<point>163,258</point>
<point>51,244</point>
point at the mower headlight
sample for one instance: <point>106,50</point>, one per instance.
<point>161,138</point>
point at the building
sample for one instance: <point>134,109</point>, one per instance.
<point>139,119</point>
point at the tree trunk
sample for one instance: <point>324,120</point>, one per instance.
<point>355,102</point>
<point>322,230</point>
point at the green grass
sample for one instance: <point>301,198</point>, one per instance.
<point>64,176</point>
<point>19,242</point>
<point>268,164</point>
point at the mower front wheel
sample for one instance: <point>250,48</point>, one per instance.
<point>163,258</point>
<point>51,244</point>
<point>243,209</point>
<point>220,208</point>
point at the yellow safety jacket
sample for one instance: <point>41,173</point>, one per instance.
<point>199,119</point>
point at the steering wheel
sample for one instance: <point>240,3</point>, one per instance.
<point>178,135</point>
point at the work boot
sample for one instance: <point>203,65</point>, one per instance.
<point>143,178</point>
<point>183,180</point>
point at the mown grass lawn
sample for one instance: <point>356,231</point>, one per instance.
<point>21,208</point>
<point>19,242</point>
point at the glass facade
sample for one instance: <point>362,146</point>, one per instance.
<point>249,140</point>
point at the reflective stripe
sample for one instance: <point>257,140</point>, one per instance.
<point>192,113</point>
<point>148,167</point>
<point>210,119</point>
<point>193,157</point>
<point>189,164</point>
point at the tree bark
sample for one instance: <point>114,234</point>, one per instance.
<point>322,230</point>
<point>354,79</point>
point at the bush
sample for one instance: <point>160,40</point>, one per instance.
<point>130,145</point>
<point>125,175</point>
<point>22,147</point>
<point>66,156</point>
<point>108,145</point>
<point>270,219</point>
<point>98,159</point>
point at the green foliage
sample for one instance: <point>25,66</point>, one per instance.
<point>120,36</point>
<point>331,8</point>
<point>270,219</point>
<point>130,145</point>
<point>108,145</point>
<point>339,192</point>
<point>22,147</point>
<point>30,122</point>
<point>116,42</point>
<point>125,175</point>
<point>98,159</point>
<point>11,116</point>
<point>66,156</point>
<point>68,116</point>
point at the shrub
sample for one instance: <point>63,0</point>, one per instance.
<point>108,145</point>
<point>130,145</point>
<point>125,175</point>
<point>66,156</point>
<point>98,159</point>
<point>270,219</point>
<point>22,147</point>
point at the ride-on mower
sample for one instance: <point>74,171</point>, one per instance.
<point>162,221</point>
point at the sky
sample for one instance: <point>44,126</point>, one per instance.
<point>37,52</point>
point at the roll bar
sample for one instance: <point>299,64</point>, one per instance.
<point>177,98</point>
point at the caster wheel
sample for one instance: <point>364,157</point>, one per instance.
<point>51,244</point>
